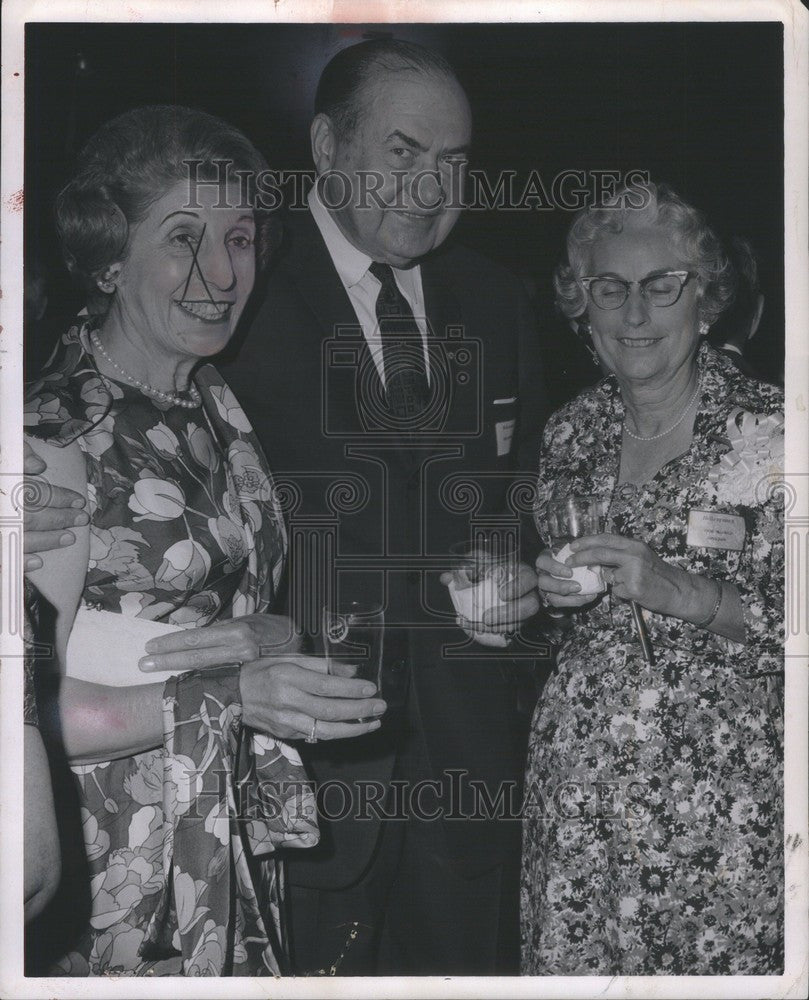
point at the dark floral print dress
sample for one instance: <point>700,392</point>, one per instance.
<point>653,830</point>
<point>184,529</point>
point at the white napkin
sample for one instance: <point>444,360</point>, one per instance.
<point>104,648</point>
<point>590,578</point>
<point>472,600</point>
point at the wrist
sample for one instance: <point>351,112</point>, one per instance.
<point>246,681</point>
<point>706,600</point>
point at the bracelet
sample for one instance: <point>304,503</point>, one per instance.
<point>720,593</point>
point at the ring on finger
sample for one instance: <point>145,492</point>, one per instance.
<point>312,737</point>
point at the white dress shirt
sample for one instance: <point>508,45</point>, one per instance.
<point>363,288</point>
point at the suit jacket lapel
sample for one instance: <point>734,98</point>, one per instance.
<point>444,310</point>
<point>311,270</point>
<point>441,303</point>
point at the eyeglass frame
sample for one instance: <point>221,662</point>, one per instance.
<point>683,276</point>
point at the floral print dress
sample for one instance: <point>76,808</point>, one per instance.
<point>653,829</point>
<point>180,845</point>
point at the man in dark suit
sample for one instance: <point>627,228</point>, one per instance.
<point>385,442</point>
<point>734,330</point>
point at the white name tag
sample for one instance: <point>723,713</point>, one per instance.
<point>504,429</point>
<point>709,529</point>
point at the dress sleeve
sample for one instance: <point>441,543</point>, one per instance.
<point>227,799</point>
<point>30,714</point>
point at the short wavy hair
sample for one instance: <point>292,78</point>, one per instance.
<point>695,243</point>
<point>128,164</point>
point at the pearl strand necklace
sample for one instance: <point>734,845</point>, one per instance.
<point>677,422</point>
<point>166,397</point>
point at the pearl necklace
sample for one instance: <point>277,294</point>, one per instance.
<point>677,422</point>
<point>166,397</point>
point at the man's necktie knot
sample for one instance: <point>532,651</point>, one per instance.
<point>390,300</point>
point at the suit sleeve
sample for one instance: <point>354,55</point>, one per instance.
<point>533,396</point>
<point>533,412</point>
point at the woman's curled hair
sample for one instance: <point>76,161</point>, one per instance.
<point>693,240</point>
<point>129,163</point>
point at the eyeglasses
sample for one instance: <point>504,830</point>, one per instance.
<point>661,289</point>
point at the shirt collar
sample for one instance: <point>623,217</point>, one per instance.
<point>351,264</point>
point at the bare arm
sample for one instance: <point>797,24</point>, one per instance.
<point>41,840</point>
<point>95,722</point>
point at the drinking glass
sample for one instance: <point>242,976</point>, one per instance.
<point>353,633</point>
<point>479,568</point>
<point>573,517</point>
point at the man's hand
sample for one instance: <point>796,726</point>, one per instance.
<point>522,601</point>
<point>520,595</point>
<point>238,641</point>
<point>50,512</point>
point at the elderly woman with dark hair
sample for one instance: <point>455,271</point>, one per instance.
<point>653,815</point>
<point>185,786</point>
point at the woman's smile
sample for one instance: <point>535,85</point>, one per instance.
<point>206,311</point>
<point>634,342</point>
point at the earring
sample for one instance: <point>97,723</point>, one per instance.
<point>105,283</point>
<point>585,335</point>
<point>704,327</point>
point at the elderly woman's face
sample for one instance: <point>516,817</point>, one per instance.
<point>640,341</point>
<point>188,272</point>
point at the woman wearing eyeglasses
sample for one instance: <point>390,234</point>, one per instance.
<point>653,814</point>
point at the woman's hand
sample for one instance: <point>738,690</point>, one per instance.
<point>238,641</point>
<point>559,593</point>
<point>636,572</point>
<point>286,695</point>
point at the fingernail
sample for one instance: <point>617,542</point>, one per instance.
<point>374,725</point>
<point>81,518</point>
<point>379,707</point>
<point>32,563</point>
<point>78,502</point>
<point>369,690</point>
<point>68,538</point>
<point>146,663</point>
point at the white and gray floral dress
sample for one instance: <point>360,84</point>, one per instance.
<point>653,830</point>
<point>180,841</point>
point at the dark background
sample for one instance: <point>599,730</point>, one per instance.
<point>697,105</point>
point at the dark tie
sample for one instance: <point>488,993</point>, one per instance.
<point>406,386</point>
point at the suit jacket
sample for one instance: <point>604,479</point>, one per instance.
<point>742,364</point>
<point>389,504</point>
